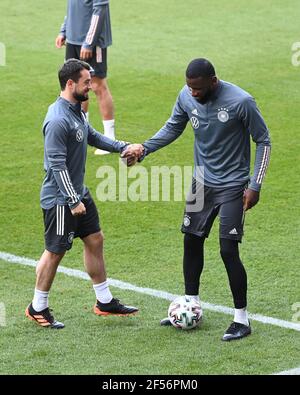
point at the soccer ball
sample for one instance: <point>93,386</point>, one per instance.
<point>185,313</point>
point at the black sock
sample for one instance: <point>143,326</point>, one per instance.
<point>192,262</point>
<point>235,270</point>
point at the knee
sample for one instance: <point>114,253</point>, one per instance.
<point>99,86</point>
<point>229,249</point>
<point>94,242</point>
<point>52,257</point>
<point>48,259</point>
<point>99,239</point>
<point>225,254</point>
<point>193,240</point>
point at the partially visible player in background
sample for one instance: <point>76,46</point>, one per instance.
<point>86,31</point>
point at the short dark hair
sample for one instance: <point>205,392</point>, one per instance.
<point>200,67</point>
<point>71,70</point>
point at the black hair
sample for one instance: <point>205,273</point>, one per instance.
<point>200,68</point>
<point>71,70</point>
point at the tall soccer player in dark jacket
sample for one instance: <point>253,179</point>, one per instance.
<point>223,117</point>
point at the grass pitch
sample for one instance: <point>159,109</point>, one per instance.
<point>250,45</point>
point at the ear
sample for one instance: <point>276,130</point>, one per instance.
<point>69,83</point>
<point>214,82</point>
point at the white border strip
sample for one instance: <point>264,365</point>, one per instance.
<point>152,292</point>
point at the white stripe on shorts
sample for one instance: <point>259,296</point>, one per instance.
<point>60,220</point>
<point>98,55</point>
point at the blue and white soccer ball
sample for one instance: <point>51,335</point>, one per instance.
<point>185,313</point>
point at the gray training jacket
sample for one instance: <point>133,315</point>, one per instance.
<point>87,23</point>
<point>67,134</point>
<point>222,129</point>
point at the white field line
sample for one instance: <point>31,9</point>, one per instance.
<point>162,295</point>
<point>291,372</point>
<point>152,292</point>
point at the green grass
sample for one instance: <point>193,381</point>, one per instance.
<point>137,345</point>
<point>250,45</point>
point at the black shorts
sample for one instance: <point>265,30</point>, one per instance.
<point>225,202</point>
<point>61,227</point>
<point>98,60</point>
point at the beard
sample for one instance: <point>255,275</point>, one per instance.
<point>205,98</point>
<point>80,96</point>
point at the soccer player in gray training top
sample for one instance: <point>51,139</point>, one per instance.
<point>87,33</point>
<point>223,117</point>
<point>69,210</point>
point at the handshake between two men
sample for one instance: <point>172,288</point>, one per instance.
<point>132,153</point>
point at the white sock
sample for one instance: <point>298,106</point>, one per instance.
<point>195,297</point>
<point>241,316</point>
<point>109,128</point>
<point>102,292</point>
<point>40,300</point>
